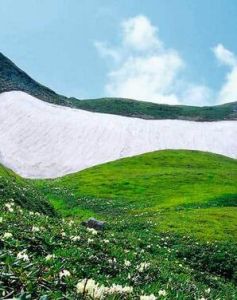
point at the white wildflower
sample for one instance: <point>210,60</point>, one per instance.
<point>49,257</point>
<point>96,291</point>
<point>35,229</point>
<point>92,231</point>
<point>127,263</point>
<point>7,235</point>
<point>75,238</point>
<point>119,289</point>
<point>9,206</point>
<point>64,273</point>
<point>143,266</point>
<point>88,286</point>
<point>70,223</point>
<point>162,293</point>
<point>22,255</point>
<point>150,297</point>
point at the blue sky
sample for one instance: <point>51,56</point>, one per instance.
<point>176,51</point>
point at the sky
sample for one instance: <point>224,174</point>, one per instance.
<point>174,52</point>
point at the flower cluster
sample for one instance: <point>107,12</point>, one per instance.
<point>95,291</point>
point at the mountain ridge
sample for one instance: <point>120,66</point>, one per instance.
<point>12,78</point>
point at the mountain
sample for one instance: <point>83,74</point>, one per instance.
<point>41,140</point>
<point>13,78</point>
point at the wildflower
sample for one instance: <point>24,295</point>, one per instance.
<point>35,229</point>
<point>127,263</point>
<point>119,289</point>
<point>150,297</point>
<point>111,261</point>
<point>96,291</point>
<point>49,257</point>
<point>7,235</point>
<point>106,241</point>
<point>90,287</point>
<point>75,238</point>
<point>92,231</point>
<point>90,241</point>
<point>9,206</point>
<point>208,291</point>
<point>64,273</point>
<point>81,286</point>
<point>70,223</point>
<point>143,266</point>
<point>22,255</point>
<point>162,293</point>
<point>1,219</point>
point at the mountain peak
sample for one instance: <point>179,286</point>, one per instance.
<point>12,78</point>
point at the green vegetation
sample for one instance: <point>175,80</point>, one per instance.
<point>45,258</point>
<point>171,221</point>
<point>12,78</point>
<point>23,193</point>
<point>183,191</point>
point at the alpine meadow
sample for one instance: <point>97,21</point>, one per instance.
<point>131,194</point>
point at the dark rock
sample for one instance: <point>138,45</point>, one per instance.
<point>93,223</point>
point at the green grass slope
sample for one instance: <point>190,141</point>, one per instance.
<point>170,231</point>
<point>45,258</point>
<point>186,192</point>
<point>13,78</point>
<point>23,193</point>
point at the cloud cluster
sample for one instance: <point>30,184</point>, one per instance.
<point>228,91</point>
<point>144,68</point>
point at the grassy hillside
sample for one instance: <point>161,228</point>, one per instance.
<point>186,192</point>
<point>152,111</point>
<point>23,193</point>
<point>50,258</point>
<point>170,232</point>
<point>13,78</point>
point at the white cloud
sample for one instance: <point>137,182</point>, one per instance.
<point>197,95</point>
<point>104,50</point>
<point>228,91</point>
<point>225,56</point>
<point>143,68</point>
<point>148,78</point>
<point>139,34</point>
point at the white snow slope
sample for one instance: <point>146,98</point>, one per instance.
<point>41,140</point>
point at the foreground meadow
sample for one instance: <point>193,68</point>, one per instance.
<point>170,231</point>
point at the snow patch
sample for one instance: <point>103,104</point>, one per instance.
<point>41,140</point>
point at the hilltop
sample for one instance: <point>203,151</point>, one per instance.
<point>185,192</point>
<point>13,78</point>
